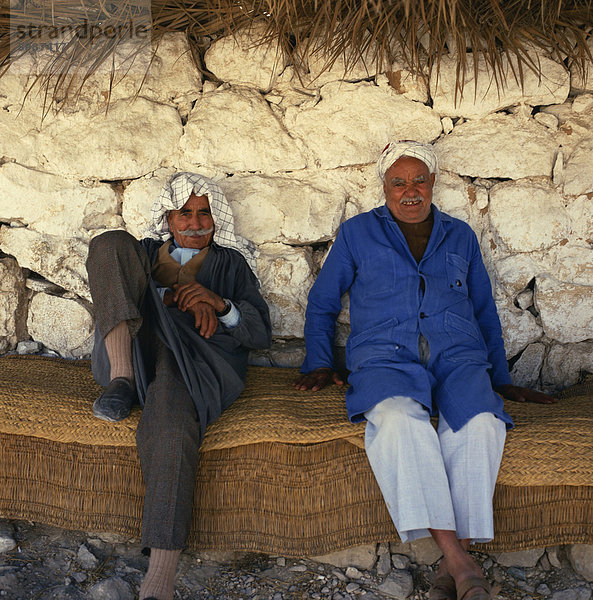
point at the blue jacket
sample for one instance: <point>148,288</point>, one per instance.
<point>371,260</point>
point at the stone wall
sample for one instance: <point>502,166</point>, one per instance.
<point>295,155</point>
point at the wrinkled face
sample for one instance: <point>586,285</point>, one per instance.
<point>192,225</point>
<point>408,189</point>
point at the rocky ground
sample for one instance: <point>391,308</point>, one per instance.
<point>38,562</point>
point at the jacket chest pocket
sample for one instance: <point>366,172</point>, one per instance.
<point>376,273</point>
<point>457,268</point>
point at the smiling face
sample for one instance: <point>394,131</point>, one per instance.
<point>192,225</point>
<point>408,189</point>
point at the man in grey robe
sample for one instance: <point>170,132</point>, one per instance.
<point>176,315</point>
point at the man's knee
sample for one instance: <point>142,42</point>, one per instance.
<point>486,425</point>
<point>396,413</point>
<point>111,240</point>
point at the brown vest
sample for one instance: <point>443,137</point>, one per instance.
<point>166,271</point>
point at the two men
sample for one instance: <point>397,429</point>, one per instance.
<point>425,340</point>
<point>176,315</point>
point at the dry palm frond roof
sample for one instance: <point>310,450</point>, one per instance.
<point>419,32</point>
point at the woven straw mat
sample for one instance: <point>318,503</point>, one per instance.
<point>52,399</point>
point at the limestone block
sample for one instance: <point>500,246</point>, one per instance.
<point>423,551</point>
<point>450,195</point>
<point>363,188</point>
<point>286,278</point>
<point>514,272</point>
<point>353,122</point>
<point>14,127</point>
<point>139,197</point>
<point>60,324</point>
<point>565,363</point>
<point>570,264</point>
<point>519,327</point>
<point>524,558</point>
<point>323,69</point>
<point>525,299</point>
<point>550,121</point>
<point>578,170</point>
<point>582,80</point>
<point>20,112</point>
<point>566,310</point>
<point>412,86</point>
<point>360,557</point>
<point>291,209</point>
<point>60,260</point>
<point>481,95</point>
<point>282,353</point>
<point>130,140</point>
<point>505,146</point>
<point>28,347</point>
<point>239,58</point>
<point>13,304</point>
<point>581,559</point>
<point>527,369</point>
<point>455,196</point>
<point>53,205</point>
<point>576,123</point>
<point>248,137</point>
<point>171,77</point>
<point>528,215</point>
<point>580,210</point>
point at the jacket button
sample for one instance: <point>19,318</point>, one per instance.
<point>422,315</point>
<point>458,283</point>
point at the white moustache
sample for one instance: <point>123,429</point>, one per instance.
<point>196,232</point>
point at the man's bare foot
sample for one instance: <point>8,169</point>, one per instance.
<point>465,571</point>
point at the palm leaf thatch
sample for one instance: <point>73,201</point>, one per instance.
<point>419,32</point>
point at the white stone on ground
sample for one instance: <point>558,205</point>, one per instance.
<point>361,557</point>
<point>398,584</point>
<point>523,558</point>
<point>114,588</point>
<point>581,559</point>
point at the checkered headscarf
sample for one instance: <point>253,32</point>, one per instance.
<point>395,150</point>
<point>175,194</point>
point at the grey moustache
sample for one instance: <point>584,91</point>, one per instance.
<point>195,232</point>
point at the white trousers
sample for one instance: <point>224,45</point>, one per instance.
<point>434,479</point>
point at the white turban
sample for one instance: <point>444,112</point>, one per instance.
<point>175,194</point>
<point>395,150</point>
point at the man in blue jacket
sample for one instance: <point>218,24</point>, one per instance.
<point>425,340</point>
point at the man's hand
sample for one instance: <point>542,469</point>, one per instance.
<point>205,318</point>
<point>521,394</point>
<point>317,379</point>
<point>187,294</point>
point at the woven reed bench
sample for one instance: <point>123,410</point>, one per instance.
<point>280,472</point>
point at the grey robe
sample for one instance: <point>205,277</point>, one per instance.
<point>213,369</point>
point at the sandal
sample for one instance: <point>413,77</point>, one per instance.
<point>443,588</point>
<point>488,593</point>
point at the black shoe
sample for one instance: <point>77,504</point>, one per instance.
<point>115,403</point>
